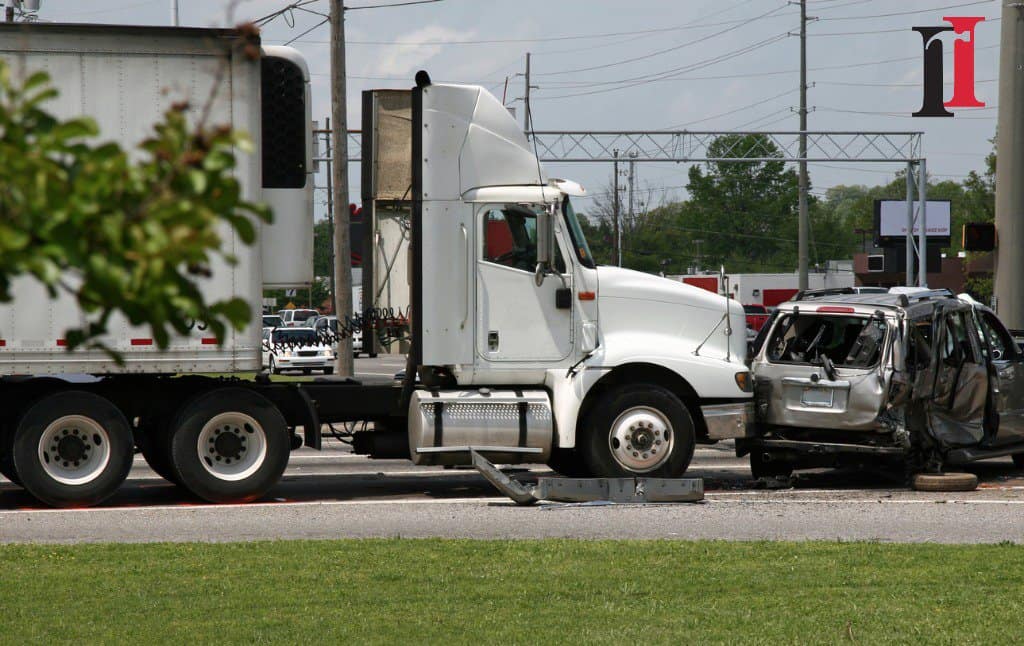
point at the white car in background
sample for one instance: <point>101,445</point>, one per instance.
<point>295,349</point>
<point>296,317</point>
<point>324,323</point>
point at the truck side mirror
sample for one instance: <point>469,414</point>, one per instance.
<point>545,244</point>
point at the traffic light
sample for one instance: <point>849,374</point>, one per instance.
<point>979,236</point>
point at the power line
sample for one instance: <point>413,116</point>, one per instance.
<point>641,80</point>
<point>907,13</point>
<point>395,4</point>
<point>740,109</point>
<point>667,50</point>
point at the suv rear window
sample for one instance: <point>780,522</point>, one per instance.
<point>848,341</point>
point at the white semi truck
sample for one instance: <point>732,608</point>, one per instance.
<point>522,348</point>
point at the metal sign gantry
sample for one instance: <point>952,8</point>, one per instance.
<point>691,146</point>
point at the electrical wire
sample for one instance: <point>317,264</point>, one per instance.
<point>679,70</point>
<point>734,111</point>
<point>663,51</point>
<point>907,13</point>
<point>394,4</point>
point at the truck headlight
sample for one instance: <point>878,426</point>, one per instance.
<point>745,381</point>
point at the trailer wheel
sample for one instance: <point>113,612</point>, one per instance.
<point>638,429</point>
<point>154,442</point>
<point>229,445</point>
<point>1018,460</point>
<point>72,449</point>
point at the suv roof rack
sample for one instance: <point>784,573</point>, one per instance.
<point>818,293</point>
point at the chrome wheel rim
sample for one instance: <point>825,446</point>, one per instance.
<point>74,449</point>
<point>232,446</point>
<point>641,439</point>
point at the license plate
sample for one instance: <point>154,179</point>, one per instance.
<point>817,397</point>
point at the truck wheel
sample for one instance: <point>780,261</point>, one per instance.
<point>72,449</point>
<point>638,429</point>
<point>154,442</point>
<point>7,456</point>
<point>568,463</point>
<point>768,468</point>
<point>229,445</point>
<point>1018,460</point>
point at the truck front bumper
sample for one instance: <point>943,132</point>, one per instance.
<point>729,421</point>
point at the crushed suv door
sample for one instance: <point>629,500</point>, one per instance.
<point>959,391</point>
<point>1007,378</point>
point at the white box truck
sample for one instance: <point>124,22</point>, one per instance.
<point>522,348</point>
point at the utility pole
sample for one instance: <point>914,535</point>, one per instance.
<point>174,13</point>
<point>9,10</point>
<point>527,117</point>
<point>339,134</point>
<point>910,225</point>
<point>1009,191</point>
<point>804,222</point>
<point>330,205</point>
<point>631,218</point>
<point>615,212</point>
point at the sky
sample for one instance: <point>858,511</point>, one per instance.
<point>733,65</point>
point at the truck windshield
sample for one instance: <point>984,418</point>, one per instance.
<point>579,241</point>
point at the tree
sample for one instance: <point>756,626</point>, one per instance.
<point>119,235</point>
<point>744,212</point>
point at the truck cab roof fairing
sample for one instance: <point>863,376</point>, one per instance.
<point>467,128</point>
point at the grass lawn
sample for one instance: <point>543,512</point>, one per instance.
<point>528,592</point>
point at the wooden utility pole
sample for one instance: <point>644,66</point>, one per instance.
<point>804,219</point>
<point>330,205</point>
<point>339,169</point>
<point>526,98</point>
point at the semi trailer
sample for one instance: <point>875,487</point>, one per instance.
<point>522,348</point>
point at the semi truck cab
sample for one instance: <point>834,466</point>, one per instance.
<point>621,372</point>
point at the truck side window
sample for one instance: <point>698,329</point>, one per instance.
<point>510,238</point>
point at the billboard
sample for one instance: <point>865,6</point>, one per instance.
<point>891,222</point>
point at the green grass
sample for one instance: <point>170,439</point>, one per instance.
<point>527,592</point>
<point>249,376</point>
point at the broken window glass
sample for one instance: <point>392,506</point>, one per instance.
<point>847,341</point>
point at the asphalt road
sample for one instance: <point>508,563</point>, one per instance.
<point>333,494</point>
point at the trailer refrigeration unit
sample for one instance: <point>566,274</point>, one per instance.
<point>522,348</point>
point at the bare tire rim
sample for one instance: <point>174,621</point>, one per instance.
<point>641,439</point>
<point>74,449</point>
<point>232,446</point>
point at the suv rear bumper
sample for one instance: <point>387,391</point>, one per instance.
<point>728,421</point>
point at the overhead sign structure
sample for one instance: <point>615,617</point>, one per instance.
<point>891,222</point>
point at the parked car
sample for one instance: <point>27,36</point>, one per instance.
<point>272,320</point>
<point>295,349</point>
<point>325,323</point>
<point>757,315</point>
<point>297,317</point>
<point>922,377</point>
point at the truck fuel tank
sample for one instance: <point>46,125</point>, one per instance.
<point>507,425</point>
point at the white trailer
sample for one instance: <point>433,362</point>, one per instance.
<point>522,348</point>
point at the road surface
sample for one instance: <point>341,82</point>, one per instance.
<point>334,494</point>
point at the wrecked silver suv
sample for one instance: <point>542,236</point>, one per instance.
<point>922,377</point>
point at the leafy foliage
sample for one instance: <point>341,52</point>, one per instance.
<point>135,238</point>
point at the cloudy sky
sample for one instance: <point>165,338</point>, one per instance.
<point>721,64</point>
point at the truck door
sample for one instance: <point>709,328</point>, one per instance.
<point>517,320</point>
<point>1007,377</point>
<point>956,409</point>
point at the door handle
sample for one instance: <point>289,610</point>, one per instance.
<point>465,264</point>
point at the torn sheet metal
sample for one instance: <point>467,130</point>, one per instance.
<point>621,490</point>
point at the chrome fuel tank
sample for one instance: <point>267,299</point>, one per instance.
<point>508,426</point>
